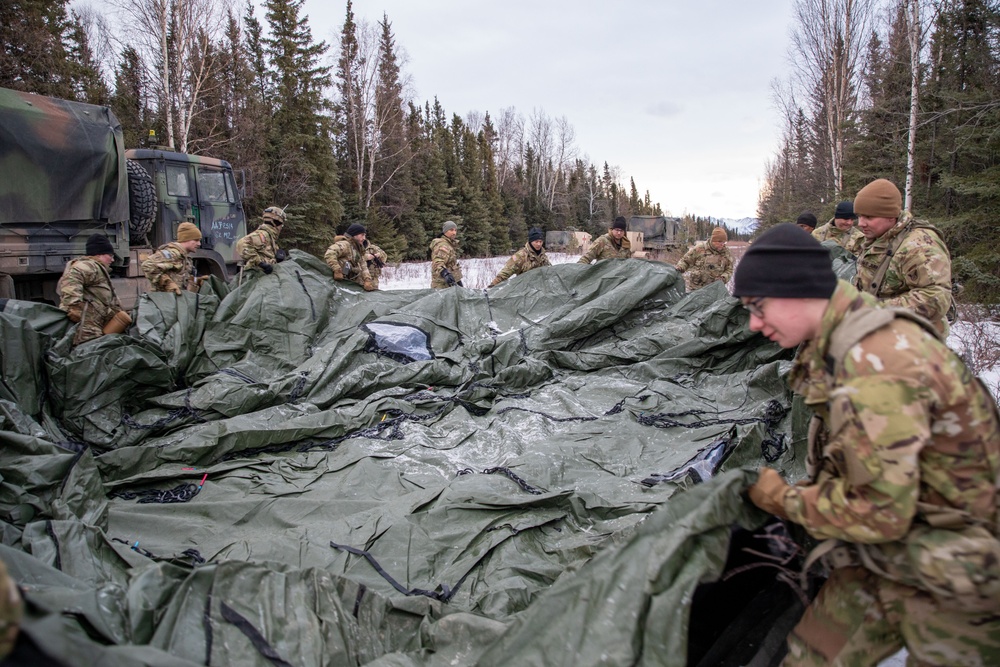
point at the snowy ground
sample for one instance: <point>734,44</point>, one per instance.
<point>977,341</point>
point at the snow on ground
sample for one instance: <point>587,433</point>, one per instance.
<point>977,341</point>
<point>476,273</point>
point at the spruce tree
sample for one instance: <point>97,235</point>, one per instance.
<point>300,158</point>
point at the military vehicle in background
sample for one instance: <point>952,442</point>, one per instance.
<point>659,235</point>
<point>568,241</point>
<point>65,174</point>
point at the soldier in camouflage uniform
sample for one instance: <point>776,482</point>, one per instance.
<point>259,248</point>
<point>376,259</point>
<point>346,256</point>
<point>445,271</point>
<point>903,466</point>
<point>613,245</point>
<point>11,612</point>
<point>531,256</point>
<point>903,262</point>
<point>86,292</point>
<point>170,269</point>
<point>841,229</point>
<point>707,262</point>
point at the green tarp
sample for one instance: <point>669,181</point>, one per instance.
<point>540,474</point>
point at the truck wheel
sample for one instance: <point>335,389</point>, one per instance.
<point>141,201</point>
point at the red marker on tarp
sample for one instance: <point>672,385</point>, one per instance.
<point>203,480</point>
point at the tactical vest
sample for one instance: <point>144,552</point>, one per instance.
<point>954,556</point>
<point>879,278</point>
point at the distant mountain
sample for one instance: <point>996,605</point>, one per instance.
<point>742,225</point>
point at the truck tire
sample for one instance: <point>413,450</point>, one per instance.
<point>141,202</point>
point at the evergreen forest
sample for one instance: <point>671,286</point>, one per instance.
<point>907,90</point>
<point>903,89</point>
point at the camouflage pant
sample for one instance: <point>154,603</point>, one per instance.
<point>859,619</point>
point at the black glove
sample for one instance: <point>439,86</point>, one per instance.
<point>449,279</point>
<point>266,268</point>
<point>377,262</point>
<point>460,284</point>
<point>281,255</point>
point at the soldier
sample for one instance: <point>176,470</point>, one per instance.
<point>170,269</point>
<point>807,222</point>
<point>904,262</point>
<point>346,256</point>
<point>841,229</point>
<point>376,260</point>
<point>445,271</point>
<point>87,295</point>
<point>259,248</point>
<point>902,468</point>
<point>707,262</point>
<point>531,256</point>
<point>613,245</point>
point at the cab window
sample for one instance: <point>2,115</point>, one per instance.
<point>177,181</point>
<point>212,186</point>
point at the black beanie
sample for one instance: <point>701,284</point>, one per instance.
<point>785,262</point>
<point>535,234</point>
<point>98,244</point>
<point>356,229</point>
<point>619,223</point>
<point>807,218</point>
<point>845,210</point>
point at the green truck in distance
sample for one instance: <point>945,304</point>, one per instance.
<point>65,174</point>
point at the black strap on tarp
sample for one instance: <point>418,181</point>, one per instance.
<point>444,595</point>
<point>254,635</point>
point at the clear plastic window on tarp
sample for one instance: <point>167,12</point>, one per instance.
<point>402,342</point>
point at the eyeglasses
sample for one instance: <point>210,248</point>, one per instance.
<point>755,307</point>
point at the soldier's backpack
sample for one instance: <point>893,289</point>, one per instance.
<point>954,556</point>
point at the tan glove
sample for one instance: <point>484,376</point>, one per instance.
<point>171,286</point>
<point>369,287</point>
<point>769,492</point>
<point>118,323</point>
<point>338,274</point>
<point>75,314</point>
<point>493,284</point>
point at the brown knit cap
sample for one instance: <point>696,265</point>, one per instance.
<point>187,232</point>
<point>879,199</point>
<point>719,234</point>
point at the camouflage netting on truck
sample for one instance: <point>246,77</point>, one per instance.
<point>294,472</point>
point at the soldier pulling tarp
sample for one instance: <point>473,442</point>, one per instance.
<point>293,472</point>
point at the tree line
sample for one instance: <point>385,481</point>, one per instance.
<point>332,141</point>
<point>907,90</point>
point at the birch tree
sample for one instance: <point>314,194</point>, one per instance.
<point>827,48</point>
<point>176,37</point>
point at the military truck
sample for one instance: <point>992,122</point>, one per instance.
<point>568,241</point>
<point>660,234</point>
<point>65,174</point>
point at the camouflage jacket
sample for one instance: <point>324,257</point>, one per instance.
<point>850,240</point>
<point>169,269</point>
<point>522,261</point>
<point>919,274</point>
<point>374,267</point>
<point>703,265</point>
<point>607,248</point>
<point>258,247</point>
<point>902,430</point>
<point>85,287</point>
<point>444,255</point>
<point>347,256</point>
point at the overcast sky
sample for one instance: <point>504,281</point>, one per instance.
<point>677,93</point>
